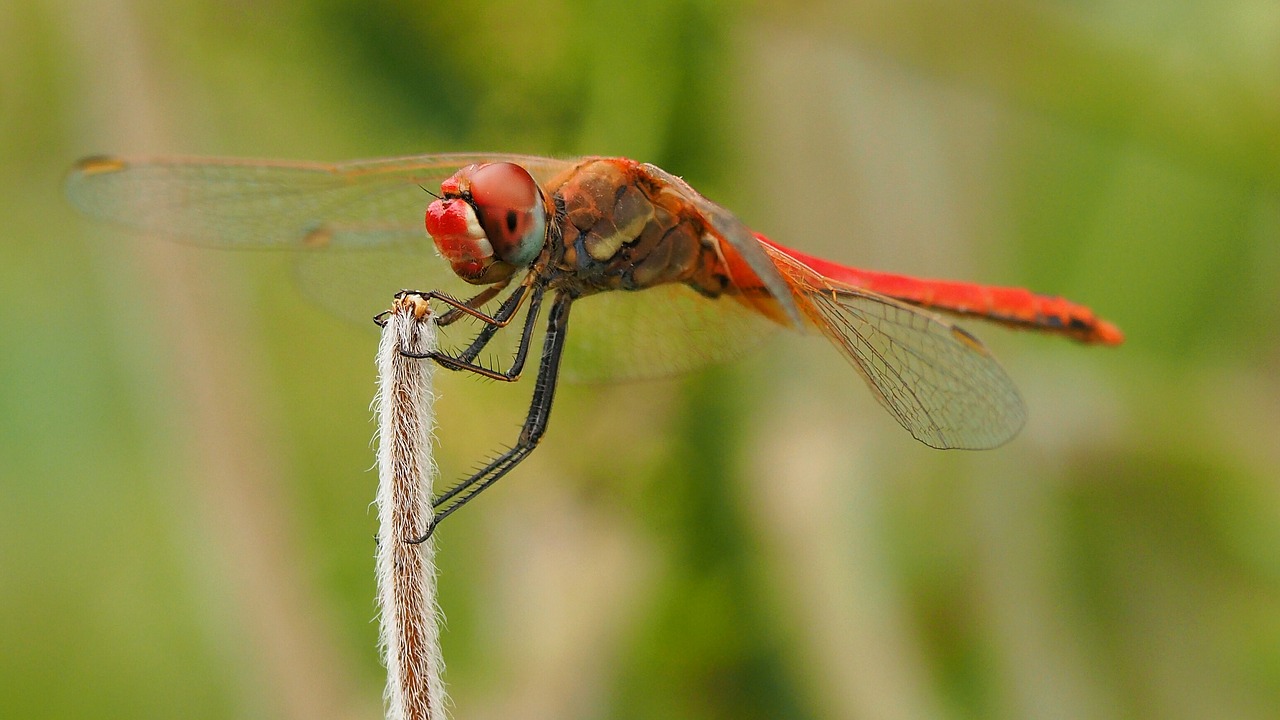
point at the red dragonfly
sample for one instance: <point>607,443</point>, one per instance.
<point>667,279</point>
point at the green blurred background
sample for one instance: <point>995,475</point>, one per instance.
<point>185,529</point>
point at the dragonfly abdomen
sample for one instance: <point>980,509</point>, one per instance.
<point>1012,306</point>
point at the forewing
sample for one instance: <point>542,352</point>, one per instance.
<point>273,204</point>
<point>361,227</point>
<point>360,224</point>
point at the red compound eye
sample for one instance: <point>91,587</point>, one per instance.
<point>509,207</point>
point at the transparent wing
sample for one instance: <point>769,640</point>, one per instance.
<point>657,332</point>
<point>357,285</point>
<point>273,204</point>
<point>360,223</point>
<point>938,381</point>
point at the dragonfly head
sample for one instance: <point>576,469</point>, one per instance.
<point>491,221</point>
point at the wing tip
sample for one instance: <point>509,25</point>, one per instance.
<point>97,165</point>
<point>81,171</point>
<point>940,441</point>
<point>969,340</point>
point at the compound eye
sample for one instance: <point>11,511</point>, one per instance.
<point>509,207</point>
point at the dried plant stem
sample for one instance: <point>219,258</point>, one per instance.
<point>410,634</point>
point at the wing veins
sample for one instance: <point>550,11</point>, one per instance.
<point>945,394</point>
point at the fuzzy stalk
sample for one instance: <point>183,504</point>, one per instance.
<point>410,630</point>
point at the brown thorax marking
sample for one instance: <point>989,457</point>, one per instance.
<point>622,230</point>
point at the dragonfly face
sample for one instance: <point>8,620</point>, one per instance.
<point>491,221</point>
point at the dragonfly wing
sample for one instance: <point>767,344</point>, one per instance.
<point>273,204</point>
<point>361,227</point>
<point>658,332</point>
<point>356,285</point>
<point>359,224</point>
<point>936,379</point>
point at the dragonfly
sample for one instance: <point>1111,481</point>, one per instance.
<point>659,278</point>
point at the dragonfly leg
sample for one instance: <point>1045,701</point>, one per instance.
<point>465,361</point>
<point>462,308</point>
<point>476,301</point>
<point>505,312</point>
<point>535,423</point>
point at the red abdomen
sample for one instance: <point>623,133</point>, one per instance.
<point>1016,307</point>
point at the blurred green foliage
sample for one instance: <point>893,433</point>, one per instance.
<point>184,442</point>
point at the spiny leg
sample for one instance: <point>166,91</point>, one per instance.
<point>466,359</point>
<point>475,301</point>
<point>505,312</point>
<point>535,423</point>
<point>464,307</point>
<point>458,308</point>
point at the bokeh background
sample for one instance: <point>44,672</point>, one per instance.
<point>185,529</point>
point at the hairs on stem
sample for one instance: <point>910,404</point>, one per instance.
<point>410,630</point>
